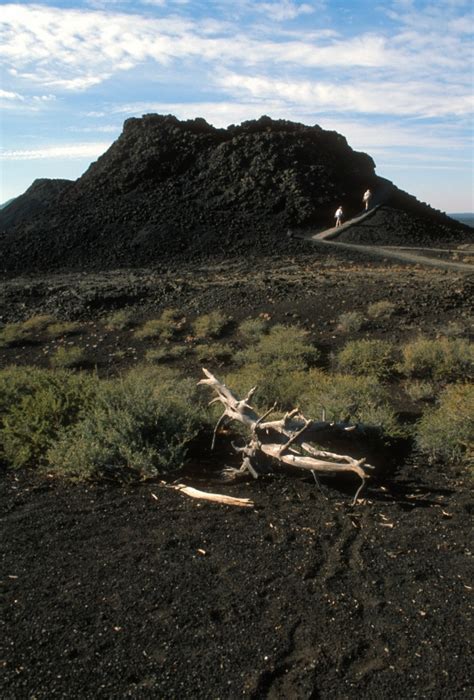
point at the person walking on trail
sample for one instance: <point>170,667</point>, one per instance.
<point>338,216</point>
<point>366,199</point>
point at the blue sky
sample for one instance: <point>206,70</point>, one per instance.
<point>396,78</point>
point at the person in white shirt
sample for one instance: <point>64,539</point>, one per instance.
<point>366,199</point>
<point>338,216</point>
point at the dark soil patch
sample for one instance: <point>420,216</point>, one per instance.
<point>108,592</point>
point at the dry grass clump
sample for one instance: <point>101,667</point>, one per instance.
<point>212,325</point>
<point>64,358</point>
<point>447,431</point>
<point>443,359</point>
<point>381,310</point>
<point>170,324</point>
<point>367,357</point>
<point>120,320</point>
<point>350,322</point>
<point>24,332</point>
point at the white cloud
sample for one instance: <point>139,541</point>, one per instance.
<point>284,9</point>
<point>66,151</point>
<point>389,97</point>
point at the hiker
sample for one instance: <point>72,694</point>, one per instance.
<point>366,198</point>
<point>338,216</point>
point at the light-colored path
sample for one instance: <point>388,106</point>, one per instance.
<point>392,252</point>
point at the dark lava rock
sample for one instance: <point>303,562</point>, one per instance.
<point>38,197</point>
<point>172,190</point>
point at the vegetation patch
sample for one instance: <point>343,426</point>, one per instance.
<point>442,359</point>
<point>36,405</point>
<point>170,324</point>
<point>447,430</point>
<point>381,310</point>
<point>68,357</point>
<point>120,320</point>
<point>139,426</point>
<point>63,328</point>
<point>212,325</point>
<point>350,322</point>
<point>367,357</point>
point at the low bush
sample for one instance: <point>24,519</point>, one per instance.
<point>420,390</point>
<point>214,352</point>
<point>167,353</point>
<point>120,320</point>
<point>367,357</point>
<point>286,345</point>
<point>16,333</point>
<point>38,323</point>
<point>170,324</point>
<point>63,328</point>
<point>381,310</point>
<point>447,431</point>
<point>252,329</point>
<point>277,383</point>
<point>211,325</point>
<point>13,334</point>
<point>443,359</point>
<point>139,426</point>
<point>350,322</point>
<point>339,397</point>
<point>35,407</point>
<point>64,358</point>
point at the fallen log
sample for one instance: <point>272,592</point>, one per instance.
<point>286,441</point>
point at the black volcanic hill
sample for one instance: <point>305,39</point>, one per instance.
<point>171,189</point>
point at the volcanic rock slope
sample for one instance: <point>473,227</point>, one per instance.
<point>171,189</point>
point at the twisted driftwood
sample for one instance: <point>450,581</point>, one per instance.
<point>286,441</point>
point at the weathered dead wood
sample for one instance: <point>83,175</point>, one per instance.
<point>286,441</point>
<point>221,498</point>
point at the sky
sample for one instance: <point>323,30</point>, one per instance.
<point>396,78</point>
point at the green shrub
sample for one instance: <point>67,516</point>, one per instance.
<point>444,359</point>
<point>366,357</point>
<point>447,431</point>
<point>340,397</point>
<point>120,320</point>
<point>64,357</point>
<point>252,329</point>
<point>277,383</point>
<point>36,406</point>
<point>16,333</point>
<point>288,345</point>
<point>420,390</point>
<point>381,309</point>
<point>214,352</point>
<point>350,322</point>
<point>167,354</point>
<point>211,325</point>
<point>38,324</point>
<point>168,326</point>
<point>63,328</point>
<point>13,334</point>
<point>138,426</point>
